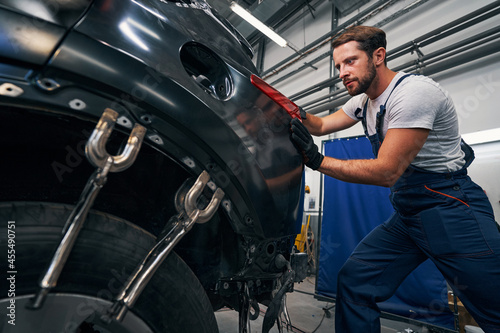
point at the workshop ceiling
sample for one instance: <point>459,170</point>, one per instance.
<point>347,6</point>
<point>273,13</point>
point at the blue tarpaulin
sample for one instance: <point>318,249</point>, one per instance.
<point>350,212</point>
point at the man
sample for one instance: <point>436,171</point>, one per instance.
<point>439,212</point>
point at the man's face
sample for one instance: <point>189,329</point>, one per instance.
<point>356,69</point>
<point>250,123</point>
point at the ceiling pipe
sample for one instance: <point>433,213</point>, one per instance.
<point>314,88</point>
<point>459,47</point>
<point>430,64</point>
<point>325,55</point>
<point>280,17</point>
<point>283,26</point>
<point>331,105</point>
<point>434,36</point>
<point>301,68</point>
<point>463,58</point>
<point>330,34</point>
<point>442,64</point>
<point>440,33</point>
<point>316,101</point>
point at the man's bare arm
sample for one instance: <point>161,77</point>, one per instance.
<point>325,125</point>
<point>398,150</point>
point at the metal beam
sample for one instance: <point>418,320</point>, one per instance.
<point>418,65</point>
<point>326,36</point>
<point>260,55</point>
<point>439,32</point>
<point>467,54</point>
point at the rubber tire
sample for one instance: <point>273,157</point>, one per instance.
<point>107,250</point>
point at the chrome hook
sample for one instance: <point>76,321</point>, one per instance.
<point>194,193</point>
<point>96,145</point>
<point>168,239</point>
<point>105,163</point>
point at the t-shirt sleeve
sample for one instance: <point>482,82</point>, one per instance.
<point>352,105</point>
<point>415,105</point>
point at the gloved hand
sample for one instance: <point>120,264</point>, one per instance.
<point>305,144</point>
<point>303,114</point>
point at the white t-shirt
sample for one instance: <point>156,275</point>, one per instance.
<point>418,102</point>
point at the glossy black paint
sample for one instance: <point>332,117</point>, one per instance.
<point>126,55</point>
<point>21,41</point>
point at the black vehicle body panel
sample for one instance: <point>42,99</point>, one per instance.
<point>126,55</point>
<point>30,32</point>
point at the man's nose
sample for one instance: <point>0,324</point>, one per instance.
<point>342,72</point>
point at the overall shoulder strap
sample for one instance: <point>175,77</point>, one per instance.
<point>362,117</point>
<point>381,113</point>
<point>361,113</point>
<point>397,83</point>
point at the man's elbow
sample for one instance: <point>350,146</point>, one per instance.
<point>387,184</point>
<point>389,179</point>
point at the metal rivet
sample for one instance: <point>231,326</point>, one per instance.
<point>146,118</point>
<point>156,139</point>
<point>248,220</point>
<point>47,84</point>
<point>227,205</point>
<point>11,90</point>
<point>189,162</point>
<point>211,185</point>
<point>77,104</point>
<point>124,121</point>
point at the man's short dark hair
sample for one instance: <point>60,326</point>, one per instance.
<point>369,39</point>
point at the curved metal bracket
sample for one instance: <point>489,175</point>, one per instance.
<point>194,193</point>
<point>419,63</point>
<point>105,163</point>
<point>96,146</point>
<point>179,226</point>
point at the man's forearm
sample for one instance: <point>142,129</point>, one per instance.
<point>369,172</point>
<point>314,124</point>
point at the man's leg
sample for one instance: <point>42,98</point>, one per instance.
<point>376,268</point>
<point>463,240</point>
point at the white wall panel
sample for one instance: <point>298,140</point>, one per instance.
<point>485,172</point>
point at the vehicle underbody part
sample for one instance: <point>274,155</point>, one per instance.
<point>278,303</point>
<point>270,290</point>
<point>244,314</point>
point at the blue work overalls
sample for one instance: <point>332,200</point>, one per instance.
<point>442,216</point>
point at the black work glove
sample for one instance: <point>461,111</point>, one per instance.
<point>305,144</point>
<point>303,114</point>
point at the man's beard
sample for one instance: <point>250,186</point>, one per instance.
<point>363,83</point>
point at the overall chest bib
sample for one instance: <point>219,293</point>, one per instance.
<point>412,175</point>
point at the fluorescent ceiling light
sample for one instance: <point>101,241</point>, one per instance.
<point>258,24</point>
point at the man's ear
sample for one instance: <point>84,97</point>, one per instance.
<point>379,56</point>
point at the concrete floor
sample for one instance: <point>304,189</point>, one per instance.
<point>306,314</point>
